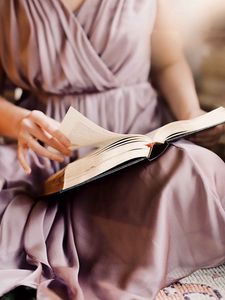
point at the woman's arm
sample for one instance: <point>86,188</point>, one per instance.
<point>11,116</point>
<point>173,75</point>
<point>172,72</point>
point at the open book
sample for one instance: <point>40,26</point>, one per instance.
<point>113,151</point>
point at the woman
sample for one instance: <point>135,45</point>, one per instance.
<point>163,220</point>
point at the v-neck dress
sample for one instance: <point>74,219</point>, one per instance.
<point>125,236</point>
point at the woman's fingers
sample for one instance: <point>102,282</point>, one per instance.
<point>46,138</point>
<point>29,125</point>
<point>209,137</point>
<point>49,126</point>
<point>34,145</point>
<point>36,128</point>
<point>52,142</point>
<point>215,131</point>
<point>22,151</point>
<point>29,142</point>
<point>206,138</point>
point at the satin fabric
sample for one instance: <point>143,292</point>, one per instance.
<point>124,236</point>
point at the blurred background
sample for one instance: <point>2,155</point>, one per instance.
<point>202,27</point>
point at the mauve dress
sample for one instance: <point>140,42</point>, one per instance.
<point>125,236</point>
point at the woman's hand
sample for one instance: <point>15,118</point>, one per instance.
<point>207,138</point>
<point>36,129</point>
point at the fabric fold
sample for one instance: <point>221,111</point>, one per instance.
<point>115,238</point>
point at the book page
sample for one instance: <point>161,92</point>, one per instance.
<point>82,132</point>
<point>92,165</point>
<point>98,162</point>
<point>177,129</point>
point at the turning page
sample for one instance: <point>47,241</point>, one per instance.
<point>82,132</point>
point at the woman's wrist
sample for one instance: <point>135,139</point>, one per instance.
<point>20,115</point>
<point>187,112</point>
<point>193,113</point>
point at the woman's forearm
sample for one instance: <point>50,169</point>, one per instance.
<point>176,83</point>
<point>10,116</point>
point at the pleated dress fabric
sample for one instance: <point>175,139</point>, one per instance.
<point>125,236</point>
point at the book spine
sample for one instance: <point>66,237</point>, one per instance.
<point>55,183</point>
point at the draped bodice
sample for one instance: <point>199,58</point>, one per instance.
<point>104,45</point>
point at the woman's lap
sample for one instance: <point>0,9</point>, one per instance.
<point>152,222</point>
